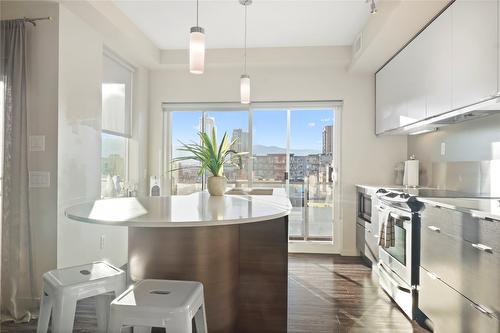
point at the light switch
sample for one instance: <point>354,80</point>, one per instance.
<point>37,142</point>
<point>39,179</point>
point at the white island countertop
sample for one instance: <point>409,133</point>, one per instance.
<point>195,210</point>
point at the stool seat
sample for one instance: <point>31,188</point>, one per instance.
<point>160,303</point>
<point>82,274</point>
<point>62,288</point>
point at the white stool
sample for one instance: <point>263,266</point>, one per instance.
<point>160,303</point>
<point>62,288</point>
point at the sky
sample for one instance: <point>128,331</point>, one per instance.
<point>269,126</point>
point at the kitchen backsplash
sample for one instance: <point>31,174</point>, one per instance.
<point>469,176</point>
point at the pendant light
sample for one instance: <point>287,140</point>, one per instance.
<point>197,47</point>
<point>373,7</point>
<point>245,78</point>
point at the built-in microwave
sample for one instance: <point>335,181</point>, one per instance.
<point>365,207</point>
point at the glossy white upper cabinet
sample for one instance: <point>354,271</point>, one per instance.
<point>415,81</point>
<point>474,51</point>
<point>438,65</point>
<point>384,98</point>
<point>451,64</point>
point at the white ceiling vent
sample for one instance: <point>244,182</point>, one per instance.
<point>357,46</point>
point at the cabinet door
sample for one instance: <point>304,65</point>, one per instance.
<point>474,51</point>
<point>382,99</point>
<point>438,65</point>
<point>387,96</point>
<point>449,310</point>
<point>414,62</point>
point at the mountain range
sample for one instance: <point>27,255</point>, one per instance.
<point>264,150</point>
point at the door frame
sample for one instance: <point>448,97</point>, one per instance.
<point>334,246</point>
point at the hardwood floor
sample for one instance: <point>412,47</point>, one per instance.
<point>331,293</point>
<point>326,293</point>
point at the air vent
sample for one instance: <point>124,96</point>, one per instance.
<point>357,45</point>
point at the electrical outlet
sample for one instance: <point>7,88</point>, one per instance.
<point>443,148</point>
<point>37,142</point>
<point>101,242</point>
<point>39,179</point>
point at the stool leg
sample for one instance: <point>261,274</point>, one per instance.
<point>102,312</point>
<point>200,320</point>
<point>45,310</point>
<point>179,325</point>
<point>64,314</point>
<point>114,323</point>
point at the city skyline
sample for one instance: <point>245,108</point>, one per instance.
<point>269,127</point>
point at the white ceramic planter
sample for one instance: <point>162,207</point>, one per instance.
<point>217,185</point>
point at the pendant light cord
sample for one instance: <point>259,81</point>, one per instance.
<point>245,54</point>
<point>197,12</point>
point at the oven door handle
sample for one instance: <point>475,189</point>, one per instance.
<point>399,217</point>
<point>391,279</point>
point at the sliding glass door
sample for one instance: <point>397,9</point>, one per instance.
<point>311,174</point>
<point>291,149</point>
<point>269,148</point>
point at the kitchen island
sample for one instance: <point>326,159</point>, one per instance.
<point>236,245</point>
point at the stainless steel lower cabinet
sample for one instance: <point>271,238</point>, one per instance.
<point>449,311</point>
<point>360,239</point>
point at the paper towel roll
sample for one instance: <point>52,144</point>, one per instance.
<point>411,173</point>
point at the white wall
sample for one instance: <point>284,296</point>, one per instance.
<point>288,74</point>
<point>80,73</point>
<point>42,120</point>
<point>64,104</point>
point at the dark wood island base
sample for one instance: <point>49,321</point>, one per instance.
<point>243,268</point>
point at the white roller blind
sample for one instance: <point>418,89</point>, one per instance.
<point>116,96</point>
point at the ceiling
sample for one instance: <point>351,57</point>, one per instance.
<point>271,23</point>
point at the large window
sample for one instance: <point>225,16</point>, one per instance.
<point>292,149</point>
<point>116,116</point>
<point>184,177</point>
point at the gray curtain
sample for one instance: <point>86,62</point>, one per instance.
<point>18,300</point>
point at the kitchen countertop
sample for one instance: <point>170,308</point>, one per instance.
<point>481,208</point>
<point>195,210</point>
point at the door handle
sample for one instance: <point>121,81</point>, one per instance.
<point>434,228</point>
<point>391,279</point>
<point>482,247</point>
<point>399,217</point>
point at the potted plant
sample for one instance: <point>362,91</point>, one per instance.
<point>212,158</point>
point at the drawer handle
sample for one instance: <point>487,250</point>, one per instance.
<point>434,228</point>
<point>482,247</point>
<point>482,309</point>
<point>433,276</point>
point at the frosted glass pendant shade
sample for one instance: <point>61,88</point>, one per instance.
<point>197,50</point>
<point>245,89</point>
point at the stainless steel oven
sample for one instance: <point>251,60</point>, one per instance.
<point>398,262</point>
<point>397,257</point>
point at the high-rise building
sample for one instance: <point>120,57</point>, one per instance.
<point>209,125</point>
<point>327,139</point>
<point>241,144</point>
